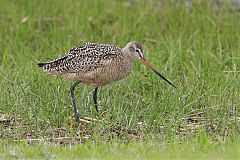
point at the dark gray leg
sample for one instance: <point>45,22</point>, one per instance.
<point>76,115</point>
<point>95,98</point>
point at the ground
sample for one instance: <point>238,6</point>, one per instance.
<point>194,44</point>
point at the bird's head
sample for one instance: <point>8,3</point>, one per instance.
<point>135,52</point>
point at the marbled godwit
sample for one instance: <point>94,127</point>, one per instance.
<point>96,65</point>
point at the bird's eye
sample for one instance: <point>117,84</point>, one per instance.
<point>139,52</point>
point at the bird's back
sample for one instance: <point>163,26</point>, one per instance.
<point>90,63</point>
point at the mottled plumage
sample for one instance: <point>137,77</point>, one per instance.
<point>97,65</point>
<point>93,64</point>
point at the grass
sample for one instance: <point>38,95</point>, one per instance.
<point>196,47</point>
<point>118,150</point>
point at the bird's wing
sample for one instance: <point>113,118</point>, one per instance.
<point>83,59</point>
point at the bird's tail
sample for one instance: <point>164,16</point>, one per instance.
<point>47,67</point>
<point>41,64</point>
<point>50,68</point>
<point>53,67</point>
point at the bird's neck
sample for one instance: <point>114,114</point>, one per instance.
<point>127,56</point>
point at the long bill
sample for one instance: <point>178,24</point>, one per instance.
<point>144,61</point>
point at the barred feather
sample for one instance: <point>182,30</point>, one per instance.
<point>94,64</point>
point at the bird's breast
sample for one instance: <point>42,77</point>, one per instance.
<point>114,71</point>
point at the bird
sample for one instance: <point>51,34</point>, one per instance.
<point>97,65</point>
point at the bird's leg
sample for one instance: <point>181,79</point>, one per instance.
<point>95,98</point>
<point>76,115</point>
